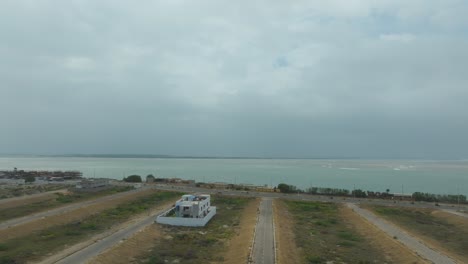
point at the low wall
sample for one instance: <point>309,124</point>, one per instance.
<point>182,221</point>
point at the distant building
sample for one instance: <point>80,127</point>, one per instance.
<point>90,185</point>
<point>190,210</point>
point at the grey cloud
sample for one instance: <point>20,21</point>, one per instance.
<point>262,78</point>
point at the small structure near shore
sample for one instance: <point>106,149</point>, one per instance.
<point>92,185</point>
<point>190,210</point>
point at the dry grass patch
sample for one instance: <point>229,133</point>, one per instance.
<point>288,251</point>
<point>324,235</point>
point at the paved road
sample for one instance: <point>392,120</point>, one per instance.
<point>86,254</point>
<point>264,243</point>
<point>62,210</point>
<point>409,241</point>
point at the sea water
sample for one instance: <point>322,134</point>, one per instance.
<point>399,176</point>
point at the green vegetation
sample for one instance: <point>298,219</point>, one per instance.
<point>17,191</point>
<point>428,197</point>
<point>286,188</point>
<point>203,244</point>
<point>38,244</point>
<point>59,200</point>
<point>324,235</point>
<point>132,178</point>
<point>422,222</point>
<point>150,178</point>
<point>29,178</point>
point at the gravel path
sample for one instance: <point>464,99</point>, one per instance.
<point>409,241</point>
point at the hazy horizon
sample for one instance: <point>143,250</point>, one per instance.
<point>310,79</point>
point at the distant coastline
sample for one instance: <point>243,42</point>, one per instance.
<point>162,156</point>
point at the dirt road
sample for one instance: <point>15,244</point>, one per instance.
<point>397,233</point>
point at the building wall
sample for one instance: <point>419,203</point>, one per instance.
<point>181,221</point>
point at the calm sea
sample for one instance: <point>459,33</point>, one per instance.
<point>400,176</point>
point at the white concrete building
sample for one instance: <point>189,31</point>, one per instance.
<point>190,210</point>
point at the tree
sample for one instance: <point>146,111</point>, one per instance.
<point>285,188</point>
<point>29,178</point>
<point>133,178</point>
<point>150,178</point>
<point>359,193</point>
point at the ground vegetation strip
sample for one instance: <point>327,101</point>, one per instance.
<point>449,233</point>
<point>323,235</point>
<point>202,244</point>
<point>53,201</point>
<point>18,191</point>
<point>39,244</point>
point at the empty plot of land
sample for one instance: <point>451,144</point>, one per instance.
<point>95,247</point>
<point>445,232</point>
<point>318,232</point>
<point>22,226</point>
<point>411,242</point>
<point>60,238</point>
<point>288,251</point>
<point>392,250</point>
<point>28,199</point>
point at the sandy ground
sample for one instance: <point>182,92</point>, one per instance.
<point>28,199</point>
<point>287,250</point>
<point>393,251</point>
<point>239,246</point>
<point>75,215</point>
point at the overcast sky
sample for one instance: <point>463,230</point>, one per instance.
<point>376,79</point>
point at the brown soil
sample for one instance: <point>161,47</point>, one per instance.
<point>28,199</point>
<point>239,246</point>
<point>393,251</point>
<point>75,215</point>
<point>287,250</point>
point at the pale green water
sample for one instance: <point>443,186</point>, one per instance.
<point>447,177</point>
